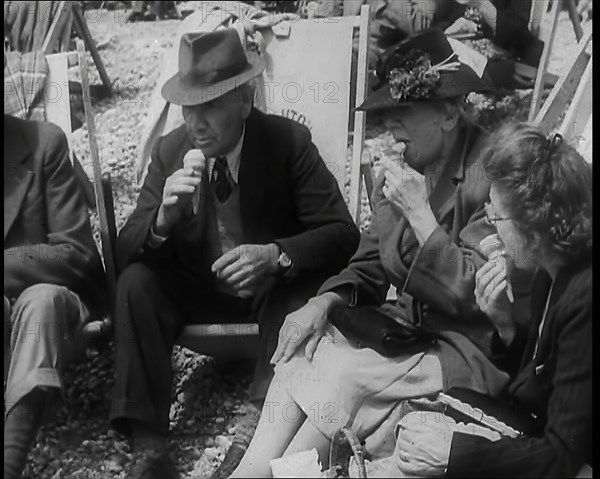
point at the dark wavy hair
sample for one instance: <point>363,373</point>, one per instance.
<point>548,186</point>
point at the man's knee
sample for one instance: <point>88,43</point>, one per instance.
<point>136,281</point>
<point>42,298</point>
<point>138,292</point>
<point>45,308</point>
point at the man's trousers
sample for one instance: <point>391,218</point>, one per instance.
<point>154,304</point>
<point>45,325</point>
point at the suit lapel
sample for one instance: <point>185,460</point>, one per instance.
<point>251,178</point>
<point>17,177</point>
<point>442,198</point>
<point>538,303</point>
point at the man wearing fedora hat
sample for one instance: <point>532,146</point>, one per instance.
<point>238,219</point>
<point>427,221</point>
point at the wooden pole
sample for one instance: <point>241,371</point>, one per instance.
<point>580,110</point>
<point>564,89</point>
<point>109,260</point>
<point>574,16</point>
<point>583,6</point>
<point>548,40</point>
<point>359,116</point>
<point>55,29</point>
<point>85,34</point>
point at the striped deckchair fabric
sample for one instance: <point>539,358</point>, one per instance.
<point>25,78</point>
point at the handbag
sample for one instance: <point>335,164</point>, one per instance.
<point>505,417</point>
<point>376,328</point>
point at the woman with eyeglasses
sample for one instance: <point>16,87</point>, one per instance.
<point>541,205</point>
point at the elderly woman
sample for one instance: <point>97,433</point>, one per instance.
<point>541,204</point>
<point>427,222</point>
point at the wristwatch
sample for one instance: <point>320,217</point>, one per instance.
<point>284,261</point>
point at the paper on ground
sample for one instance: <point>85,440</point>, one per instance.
<point>301,464</point>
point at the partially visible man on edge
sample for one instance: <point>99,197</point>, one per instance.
<point>53,278</point>
<point>239,217</point>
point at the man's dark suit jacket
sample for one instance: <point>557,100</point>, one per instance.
<point>47,232</point>
<point>287,196</point>
<point>556,387</point>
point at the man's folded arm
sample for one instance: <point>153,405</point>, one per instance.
<point>70,257</point>
<point>135,238</point>
<point>330,236</point>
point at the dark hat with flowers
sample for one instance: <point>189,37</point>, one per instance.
<point>422,68</point>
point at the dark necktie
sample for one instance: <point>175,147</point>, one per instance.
<point>219,179</point>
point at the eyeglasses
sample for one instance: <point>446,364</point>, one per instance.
<point>492,220</point>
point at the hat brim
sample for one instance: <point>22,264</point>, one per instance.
<point>174,91</point>
<point>451,85</point>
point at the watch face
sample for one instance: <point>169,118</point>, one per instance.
<point>284,260</point>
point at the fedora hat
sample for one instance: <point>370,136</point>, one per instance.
<point>422,68</point>
<point>210,65</point>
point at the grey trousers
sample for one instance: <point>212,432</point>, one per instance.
<point>44,324</point>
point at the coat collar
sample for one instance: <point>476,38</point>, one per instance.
<point>544,286</point>
<point>442,198</point>
<point>17,173</point>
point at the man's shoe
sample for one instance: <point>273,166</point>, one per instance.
<point>230,461</point>
<point>150,464</point>
<point>21,425</point>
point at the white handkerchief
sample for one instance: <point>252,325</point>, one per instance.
<point>282,30</point>
<point>301,464</point>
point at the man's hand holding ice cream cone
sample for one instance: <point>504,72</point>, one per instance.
<point>179,188</point>
<point>195,161</point>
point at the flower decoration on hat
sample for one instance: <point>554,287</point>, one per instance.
<point>413,76</point>
<point>474,14</point>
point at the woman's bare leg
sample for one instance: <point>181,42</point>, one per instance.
<point>279,422</point>
<point>307,438</point>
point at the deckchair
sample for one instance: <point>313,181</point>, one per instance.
<point>573,95</point>
<point>307,79</point>
<point>547,33</point>
<point>69,16</point>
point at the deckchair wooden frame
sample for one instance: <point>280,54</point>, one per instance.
<point>69,15</point>
<point>223,339</point>
<point>573,95</point>
<point>564,90</point>
<point>547,35</point>
<point>107,223</point>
